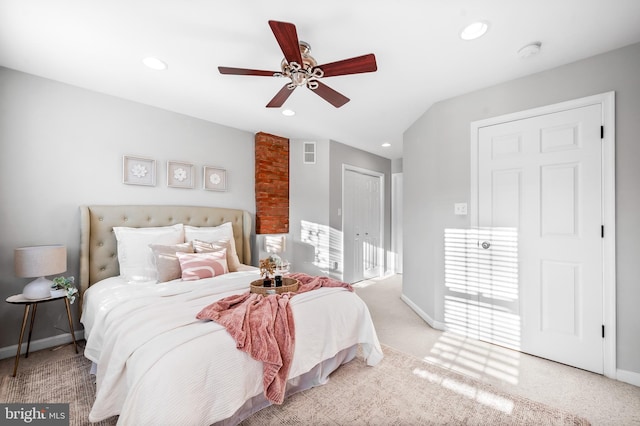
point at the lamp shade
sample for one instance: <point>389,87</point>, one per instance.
<point>39,261</point>
<point>275,243</point>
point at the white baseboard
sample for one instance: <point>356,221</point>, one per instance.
<point>628,377</point>
<point>422,314</point>
<point>36,345</point>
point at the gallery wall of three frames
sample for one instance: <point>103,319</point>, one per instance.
<point>142,171</point>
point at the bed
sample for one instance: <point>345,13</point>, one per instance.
<point>155,363</point>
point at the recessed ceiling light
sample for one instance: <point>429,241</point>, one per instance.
<point>474,30</point>
<point>386,145</point>
<point>288,112</point>
<point>154,63</point>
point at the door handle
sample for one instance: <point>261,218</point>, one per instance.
<point>486,245</point>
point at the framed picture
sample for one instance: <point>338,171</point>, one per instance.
<point>138,171</point>
<point>180,175</point>
<point>214,178</point>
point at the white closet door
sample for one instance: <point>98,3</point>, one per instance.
<point>540,280</point>
<point>362,226</point>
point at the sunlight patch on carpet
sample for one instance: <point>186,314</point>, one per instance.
<point>483,397</point>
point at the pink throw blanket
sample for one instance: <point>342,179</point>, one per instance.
<point>263,327</point>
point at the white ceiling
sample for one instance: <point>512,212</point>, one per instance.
<point>99,45</point>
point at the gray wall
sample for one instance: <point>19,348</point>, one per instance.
<point>309,204</point>
<point>62,147</point>
<point>436,175</point>
<point>316,196</point>
<point>396,165</point>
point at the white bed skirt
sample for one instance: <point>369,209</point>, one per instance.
<point>319,375</point>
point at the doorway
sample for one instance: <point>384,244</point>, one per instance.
<point>542,204</point>
<point>362,220</point>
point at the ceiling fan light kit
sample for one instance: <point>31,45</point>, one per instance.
<point>303,70</point>
<point>301,75</point>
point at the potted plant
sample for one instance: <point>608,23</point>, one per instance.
<point>63,286</point>
<point>267,267</point>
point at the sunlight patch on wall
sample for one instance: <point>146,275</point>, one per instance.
<point>336,252</point>
<point>393,262</point>
<point>318,237</point>
<point>481,281</point>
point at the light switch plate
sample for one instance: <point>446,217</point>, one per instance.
<point>460,209</point>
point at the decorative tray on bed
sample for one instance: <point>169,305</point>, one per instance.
<point>288,284</point>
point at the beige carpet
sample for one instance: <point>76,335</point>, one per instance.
<point>65,381</point>
<point>401,390</point>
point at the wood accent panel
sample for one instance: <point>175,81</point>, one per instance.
<point>272,184</point>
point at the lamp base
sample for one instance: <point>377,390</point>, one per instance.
<point>40,288</point>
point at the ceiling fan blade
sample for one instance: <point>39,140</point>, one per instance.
<point>328,94</point>
<point>280,97</point>
<point>357,65</point>
<point>287,38</point>
<point>244,71</point>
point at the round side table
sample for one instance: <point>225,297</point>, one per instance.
<point>19,299</point>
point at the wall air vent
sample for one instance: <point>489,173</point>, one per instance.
<point>309,153</point>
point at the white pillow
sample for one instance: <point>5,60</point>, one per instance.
<point>213,234</point>
<point>134,254</point>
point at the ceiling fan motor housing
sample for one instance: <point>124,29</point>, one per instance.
<point>304,74</point>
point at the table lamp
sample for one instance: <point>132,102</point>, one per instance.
<point>277,244</point>
<point>39,261</point>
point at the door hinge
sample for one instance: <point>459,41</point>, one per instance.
<point>601,132</point>
<point>602,231</point>
<point>603,331</point>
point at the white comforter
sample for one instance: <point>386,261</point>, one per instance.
<point>159,365</point>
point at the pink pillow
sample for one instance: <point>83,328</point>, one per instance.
<point>196,266</point>
<point>233,262</point>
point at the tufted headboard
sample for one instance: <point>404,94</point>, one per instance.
<point>98,245</point>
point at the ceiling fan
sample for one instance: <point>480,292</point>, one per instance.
<point>300,67</point>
